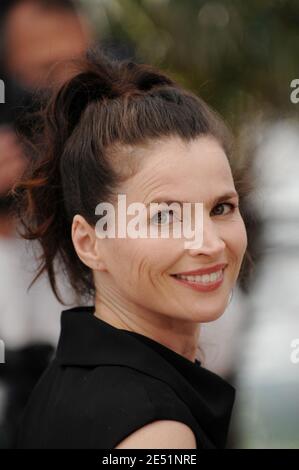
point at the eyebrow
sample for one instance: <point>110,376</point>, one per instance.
<point>224,197</point>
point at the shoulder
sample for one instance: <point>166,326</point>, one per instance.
<point>127,388</point>
<point>145,412</point>
<point>169,422</point>
<point>98,407</point>
<point>122,395</point>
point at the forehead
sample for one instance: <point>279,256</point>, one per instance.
<point>190,168</point>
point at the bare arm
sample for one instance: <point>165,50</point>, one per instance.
<point>162,434</point>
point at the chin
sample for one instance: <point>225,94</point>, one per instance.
<point>209,314</point>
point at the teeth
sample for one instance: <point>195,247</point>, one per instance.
<point>204,279</point>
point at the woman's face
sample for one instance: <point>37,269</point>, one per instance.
<point>140,270</point>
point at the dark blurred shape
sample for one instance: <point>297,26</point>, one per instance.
<point>22,370</point>
<point>38,38</point>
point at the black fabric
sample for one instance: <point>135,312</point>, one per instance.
<point>106,383</point>
<point>23,368</point>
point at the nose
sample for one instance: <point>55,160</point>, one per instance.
<point>212,243</point>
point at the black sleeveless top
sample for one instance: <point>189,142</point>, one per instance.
<point>105,383</point>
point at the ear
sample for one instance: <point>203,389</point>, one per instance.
<point>86,244</point>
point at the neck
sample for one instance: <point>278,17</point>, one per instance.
<point>177,334</point>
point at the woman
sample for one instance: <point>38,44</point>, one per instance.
<point>126,374</point>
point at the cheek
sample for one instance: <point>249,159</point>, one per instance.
<point>131,261</point>
<point>243,238</point>
<point>138,261</point>
<point>236,239</point>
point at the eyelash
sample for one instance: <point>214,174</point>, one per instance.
<point>232,206</point>
<point>165,212</point>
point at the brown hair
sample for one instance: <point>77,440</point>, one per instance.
<point>106,105</point>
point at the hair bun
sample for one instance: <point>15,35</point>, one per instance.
<point>81,90</point>
<point>149,79</point>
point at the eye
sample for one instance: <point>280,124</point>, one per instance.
<point>162,217</point>
<point>231,207</point>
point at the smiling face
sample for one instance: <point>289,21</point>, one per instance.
<point>140,271</point>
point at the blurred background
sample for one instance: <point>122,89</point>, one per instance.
<point>241,57</point>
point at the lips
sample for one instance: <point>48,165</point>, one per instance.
<point>197,284</point>
<point>200,272</point>
<point>196,279</point>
